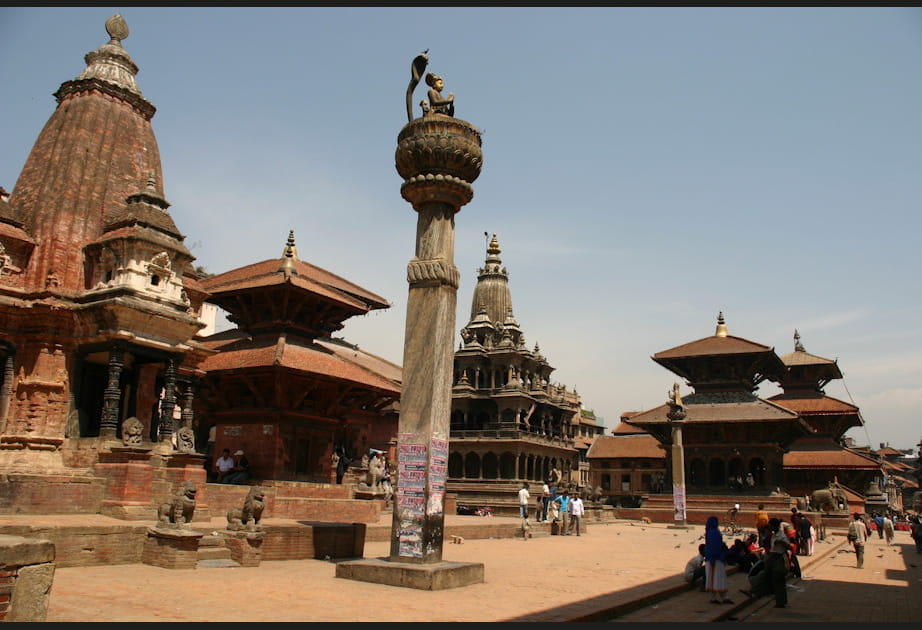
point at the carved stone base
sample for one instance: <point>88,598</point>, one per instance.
<point>245,547</point>
<point>368,493</point>
<point>171,548</point>
<point>428,577</point>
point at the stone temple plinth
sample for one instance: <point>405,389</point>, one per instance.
<point>438,157</point>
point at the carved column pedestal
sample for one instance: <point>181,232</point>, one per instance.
<point>171,548</point>
<point>171,470</point>
<point>129,475</point>
<point>245,547</point>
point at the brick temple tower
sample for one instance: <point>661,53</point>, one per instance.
<point>509,422</point>
<point>98,300</point>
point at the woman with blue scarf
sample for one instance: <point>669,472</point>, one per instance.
<point>715,553</point>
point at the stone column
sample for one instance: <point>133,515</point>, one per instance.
<point>438,157</point>
<point>168,402</point>
<point>111,401</point>
<point>187,416</point>
<point>676,415</point>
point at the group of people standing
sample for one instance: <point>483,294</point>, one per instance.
<point>567,512</point>
<point>767,556</point>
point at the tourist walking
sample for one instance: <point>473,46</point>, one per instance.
<point>879,525</point>
<point>545,499</point>
<point>888,530</point>
<point>715,554</point>
<point>576,514</point>
<point>777,561</point>
<point>342,463</point>
<point>858,535</point>
<point>524,498</point>
<point>563,504</point>
<point>915,530</point>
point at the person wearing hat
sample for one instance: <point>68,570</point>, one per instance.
<point>240,471</point>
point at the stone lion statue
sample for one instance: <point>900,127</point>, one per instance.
<point>178,512</point>
<point>594,495</point>
<point>248,517</point>
<point>132,432</point>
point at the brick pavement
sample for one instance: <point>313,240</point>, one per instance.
<point>546,578</point>
<point>888,589</point>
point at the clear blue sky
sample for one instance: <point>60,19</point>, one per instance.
<point>644,168</point>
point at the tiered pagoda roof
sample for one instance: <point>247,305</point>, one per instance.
<point>722,362</point>
<point>725,371</point>
<point>803,384</point>
<point>289,294</point>
<point>286,309</point>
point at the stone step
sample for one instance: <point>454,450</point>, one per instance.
<point>213,553</point>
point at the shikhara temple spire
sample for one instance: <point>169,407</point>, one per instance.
<point>110,62</point>
<point>492,290</point>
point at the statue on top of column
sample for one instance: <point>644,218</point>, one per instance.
<point>436,104</point>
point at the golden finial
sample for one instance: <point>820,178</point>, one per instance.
<point>798,347</point>
<point>289,255</point>
<point>721,326</point>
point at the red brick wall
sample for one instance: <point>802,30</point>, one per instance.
<point>27,494</point>
<point>7,578</point>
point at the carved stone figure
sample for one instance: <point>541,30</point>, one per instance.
<point>375,472</point>
<point>248,517</point>
<point>594,495</point>
<point>132,432</point>
<point>185,440</point>
<point>178,513</point>
<point>829,499</point>
<point>437,104</point>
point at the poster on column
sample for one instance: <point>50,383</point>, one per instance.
<point>678,499</point>
<point>411,498</point>
<point>438,470</point>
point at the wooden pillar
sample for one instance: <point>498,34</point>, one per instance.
<point>108,425</point>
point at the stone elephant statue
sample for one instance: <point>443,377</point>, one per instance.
<point>829,500</point>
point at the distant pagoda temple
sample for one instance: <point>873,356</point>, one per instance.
<point>821,458</point>
<point>509,422</point>
<point>279,386</point>
<point>729,433</point>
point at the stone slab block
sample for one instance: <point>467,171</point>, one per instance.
<point>428,577</point>
<point>17,551</point>
<point>31,593</point>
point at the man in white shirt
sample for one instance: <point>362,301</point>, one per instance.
<point>576,513</point>
<point>224,465</point>
<point>524,498</point>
